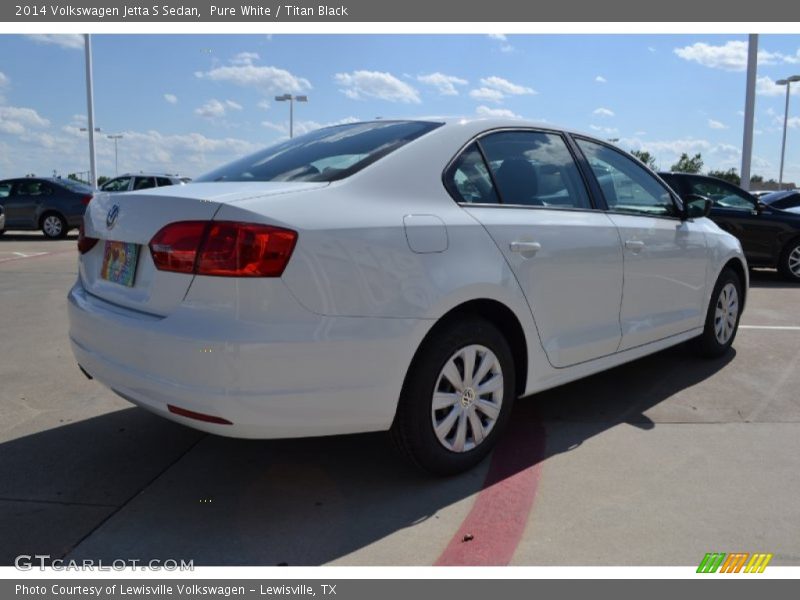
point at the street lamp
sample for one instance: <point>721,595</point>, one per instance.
<point>291,99</point>
<point>788,83</point>
<point>115,137</point>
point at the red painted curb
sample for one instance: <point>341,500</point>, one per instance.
<point>494,527</point>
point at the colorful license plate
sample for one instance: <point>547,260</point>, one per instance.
<point>119,262</point>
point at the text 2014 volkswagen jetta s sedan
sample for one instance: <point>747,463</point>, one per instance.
<point>411,276</point>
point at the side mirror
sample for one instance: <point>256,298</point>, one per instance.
<point>695,206</point>
<point>760,206</point>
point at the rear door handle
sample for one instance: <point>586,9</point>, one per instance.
<point>527,249</point>
<point>634,246</point>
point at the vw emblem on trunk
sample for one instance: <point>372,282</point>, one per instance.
<point>111,217</point>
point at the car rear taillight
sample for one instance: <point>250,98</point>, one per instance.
<point>86,199</point>
<point>85,243</point>
<point>223,248</point>
<point>175,246</point>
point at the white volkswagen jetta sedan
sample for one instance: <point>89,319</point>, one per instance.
<point>410,276</point>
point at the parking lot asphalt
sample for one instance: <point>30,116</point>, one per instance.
<point>653,463</point>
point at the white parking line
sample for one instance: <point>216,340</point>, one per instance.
<point>24,255</point>
<point>775,327</point>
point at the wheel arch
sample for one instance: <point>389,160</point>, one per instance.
<point>502,317</point>
<point>737,266</point>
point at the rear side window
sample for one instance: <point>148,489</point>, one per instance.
<point>532,168</point>
<point>33,188</point>
<point>162,181</point>
<point>468,179</point>
<point>5,190</point>
<point>326,154</point>
<point>144,183</point>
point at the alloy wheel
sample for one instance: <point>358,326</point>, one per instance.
<point>726,313</point>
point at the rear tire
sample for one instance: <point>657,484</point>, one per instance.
<point>789,262</point>
<point>456,398</point>
<point>722,318</point>
<point>54,226</point>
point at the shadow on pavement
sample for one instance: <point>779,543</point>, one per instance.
<point>163,491</point>
<point>770,278</point>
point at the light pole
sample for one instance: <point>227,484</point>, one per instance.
<point>87,45</point>
<point>115,137</point>
<point>788,83</point>
<point>291,99</point>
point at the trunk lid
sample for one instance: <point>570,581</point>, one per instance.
<point>135,217</point>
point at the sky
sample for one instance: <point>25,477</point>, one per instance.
<point>188,103</point>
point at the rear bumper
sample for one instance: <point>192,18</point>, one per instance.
<point>303,375</point>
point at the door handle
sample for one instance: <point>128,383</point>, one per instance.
<point>634,246</point>
<point>527,249</point>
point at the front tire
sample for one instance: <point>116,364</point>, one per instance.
<point>456,398</point>
<point>54,226</point>
<point>722,318</point>
<point>789,263</point>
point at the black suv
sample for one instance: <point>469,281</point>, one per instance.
<point>770,237</point>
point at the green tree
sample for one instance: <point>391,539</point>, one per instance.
<point>74,177</point>
<point>101,180</point>
<point>688,165</point>
<point>644,156</point>
<point>730,175</point>
<point>756,179</point>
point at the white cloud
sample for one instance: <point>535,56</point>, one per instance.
<point>73,41</point>
<point>766,86</point>
<point>506,87</point>
<point>730,56</point>
<point>639,133</point>
<point>716,124</point>
<point>245,58</point>
<point>606,130</point>
<point>214,109</point>
<point>600,79</point>
<point>504,45</point>
<point>651,49</point>
<point>498,36</point>
<point>16,120</point>
<point>171,98</point>
<point>4,80</point>
<point>487,95</point>
<point>266,79</point>
<point>496,113</point>
<point>603,112</point>
<point>444,84</point>
<point>263,105</point>
<point>380,85</point>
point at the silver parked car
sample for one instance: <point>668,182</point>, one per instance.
<point>142,181</point>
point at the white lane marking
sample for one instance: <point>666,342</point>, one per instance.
<point>24,255</point>
<point>772,327</point>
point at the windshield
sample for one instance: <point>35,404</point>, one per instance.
<point>325,154</point>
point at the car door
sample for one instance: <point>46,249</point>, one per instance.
<point>736,211</point>
<point>24,202</point>
<point>665,257</point>
<point>526,189</point>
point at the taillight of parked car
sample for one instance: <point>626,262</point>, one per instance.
<point>223,248</point>
<point>86,199</point>
<point>85,243</point>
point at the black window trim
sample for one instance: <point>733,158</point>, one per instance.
<point>593,201</point>
<point>676,200</point>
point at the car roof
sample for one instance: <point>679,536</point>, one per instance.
<point>147,174</point>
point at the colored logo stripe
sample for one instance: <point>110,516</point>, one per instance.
<point>733,563</point>
<point>758,563</point>
<point>711,562</point>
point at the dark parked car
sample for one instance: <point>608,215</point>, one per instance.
<point>770,237</point>
<point>786,200</point>
<point>53,205</point>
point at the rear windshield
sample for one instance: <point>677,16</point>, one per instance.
<point>75,186</point>
<point>323,155</point>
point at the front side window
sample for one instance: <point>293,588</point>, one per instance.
<point>722,195</point>
<point>533,168</point>
<point>327,154</point>
<point>119,184</point>
<point>468,179</point>
<point>626,185</point>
